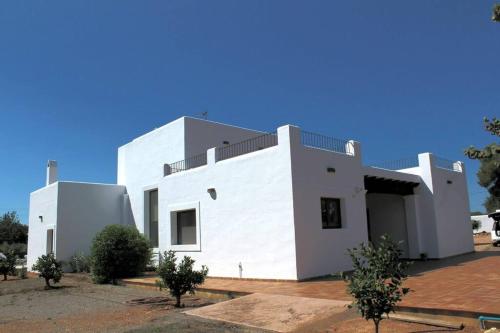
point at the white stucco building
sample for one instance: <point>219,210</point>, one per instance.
<point>283,205</point>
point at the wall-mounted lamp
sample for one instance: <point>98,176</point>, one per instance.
<point>330,170</point>
<point>212,192</point>
<point>225,142</point>
<point>41,218</point>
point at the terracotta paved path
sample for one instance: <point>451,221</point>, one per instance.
<point>468,283</point>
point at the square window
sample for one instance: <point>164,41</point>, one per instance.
<point>185,226</point>
<point>330,213</point>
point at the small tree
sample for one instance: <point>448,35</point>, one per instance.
<point>377,278</point>
<point>7,264</point>
<point>48,268</point>
<point>476,224</point>
<point>118,251</point>
<point>179,279</point>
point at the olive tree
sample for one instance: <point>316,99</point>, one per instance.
<point>48,268</point>
<point>376,282</point>
<point>181,278</point>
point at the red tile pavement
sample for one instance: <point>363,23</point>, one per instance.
<point>467,283</point>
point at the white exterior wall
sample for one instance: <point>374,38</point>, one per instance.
<point>486,223</point>
<point>452,213</point>
<point>140,162</point>
<point>76,212</point>
<point>201,135</point>
<point>443,209</point>
<point>43,202</point>
<point>83,210</point>
<point>250,221</point>
<point>324,251</point>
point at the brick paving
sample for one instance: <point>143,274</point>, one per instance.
<point>466,284</point>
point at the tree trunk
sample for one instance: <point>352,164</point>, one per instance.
<point>47,283</point>
<point>5,276</point>
<point>178,301</point>
<point>376,325</point>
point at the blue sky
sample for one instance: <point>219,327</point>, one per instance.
<point>80,78</point>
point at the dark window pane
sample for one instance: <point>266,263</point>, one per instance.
<point>186,227</point>
<point>330,213</point>
<point>153,218</point>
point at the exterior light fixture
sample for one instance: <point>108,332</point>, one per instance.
<point>212,192</point>
<point>41,218</point>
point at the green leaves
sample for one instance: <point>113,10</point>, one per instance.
<point>48,268</point>
<point>489,170</point>
<point>376,280</point>
<point>118,251</point>
<point>181,278</point>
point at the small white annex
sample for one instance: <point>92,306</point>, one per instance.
<point>284,205</point>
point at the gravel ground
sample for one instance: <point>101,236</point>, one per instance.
<point>77,305</point>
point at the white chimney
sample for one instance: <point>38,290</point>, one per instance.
<point>51,172</point>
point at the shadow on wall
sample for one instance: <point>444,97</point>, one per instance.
<point>128,216</point>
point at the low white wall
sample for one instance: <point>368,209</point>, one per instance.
<point>486,223</point>
<point>43,202</point>
<point>249,220</point>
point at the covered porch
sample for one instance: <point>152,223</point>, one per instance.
<point>392,208</point>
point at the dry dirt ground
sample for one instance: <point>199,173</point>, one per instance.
<point>76,305</point>
<point>79,306</point>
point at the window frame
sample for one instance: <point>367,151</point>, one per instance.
<point>173,210</point>
<point>340,214</point>
<point>150,219</point>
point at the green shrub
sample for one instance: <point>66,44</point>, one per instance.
<point>7,264</point>
<point>118,251</point>
<point>48,268</point>
<point>377,278</point>
<point>80,263</point>
<point>179,279</point>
